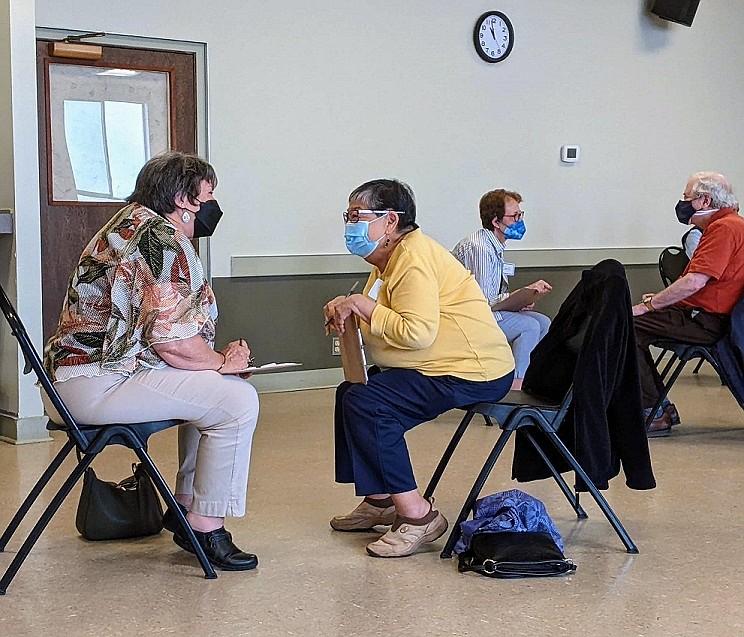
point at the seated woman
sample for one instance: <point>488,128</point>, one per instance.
<point>425,322</point>
<point>483,254</point>
<point>135,342</point>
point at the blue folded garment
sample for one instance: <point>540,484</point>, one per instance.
<point>511,510</point>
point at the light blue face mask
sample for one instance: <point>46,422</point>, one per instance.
<point>357,238</point>
<point>515,231</point>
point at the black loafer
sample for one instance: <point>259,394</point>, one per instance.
<point>170,521</point>
<point>219,549</point>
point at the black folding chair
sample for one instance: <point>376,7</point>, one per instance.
<point>89,440</point>
<point>672,263</point>
<point>520,410</point>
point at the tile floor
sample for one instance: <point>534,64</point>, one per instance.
<point>313,581</point>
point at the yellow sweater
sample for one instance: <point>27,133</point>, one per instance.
<point>431,316</point>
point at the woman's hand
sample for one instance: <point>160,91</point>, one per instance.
<point>237,357</point>
<point>336,312</point>
<point>339,309</point>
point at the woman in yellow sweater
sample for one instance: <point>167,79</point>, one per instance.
<point>427,325</point>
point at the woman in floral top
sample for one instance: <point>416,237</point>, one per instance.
<point>135,342</point>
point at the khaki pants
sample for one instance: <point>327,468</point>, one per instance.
<point>214,448</point>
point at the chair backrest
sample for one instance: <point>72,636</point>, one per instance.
<point>672,263</point>
<point>33,363</point>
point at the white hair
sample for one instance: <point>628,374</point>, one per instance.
<point>716,186</point>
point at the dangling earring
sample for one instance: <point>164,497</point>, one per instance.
<point>387,241</point>
<point>185,216</point>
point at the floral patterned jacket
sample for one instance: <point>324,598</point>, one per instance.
<point>139,282</point>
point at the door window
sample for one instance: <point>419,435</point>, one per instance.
<point>105,124</point>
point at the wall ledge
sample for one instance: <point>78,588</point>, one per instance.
<point>324,264</point>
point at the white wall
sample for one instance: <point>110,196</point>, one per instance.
<point>19,253</point>
<point>307,100</point>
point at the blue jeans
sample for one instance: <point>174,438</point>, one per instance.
<point>371,420</point>
<point>523,330</point>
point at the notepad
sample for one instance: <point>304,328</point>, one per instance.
<point>352,354</point>
<point>268,367</point>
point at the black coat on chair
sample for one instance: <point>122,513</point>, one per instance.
<point>591,343</point>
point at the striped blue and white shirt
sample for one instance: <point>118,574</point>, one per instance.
<point>483,254</point>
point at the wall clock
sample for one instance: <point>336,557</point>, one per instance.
<point>493,36</point>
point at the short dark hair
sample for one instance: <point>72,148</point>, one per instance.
<point>492,205</point>
<point>389,194</point>
<point>167,176</point>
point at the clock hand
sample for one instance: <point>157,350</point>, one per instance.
<point>493,35</point>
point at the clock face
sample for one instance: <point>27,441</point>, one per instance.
<point>493,36</point>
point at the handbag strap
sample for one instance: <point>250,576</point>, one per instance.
<point>492,568</point>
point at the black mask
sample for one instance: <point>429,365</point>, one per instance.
<point>684,210</point>
<point>207,218</point>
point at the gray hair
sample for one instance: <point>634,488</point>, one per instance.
<point>716,186</point>
<point>389,194</point>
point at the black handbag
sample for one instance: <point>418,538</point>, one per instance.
<point>110,511</point>
<point>507,554</point>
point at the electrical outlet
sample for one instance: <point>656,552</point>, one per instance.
<point>336,347</point>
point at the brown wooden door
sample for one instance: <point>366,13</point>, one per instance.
<point>99,121</point>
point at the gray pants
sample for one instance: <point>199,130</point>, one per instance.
<point>523,330</point>
<point>214,448</point>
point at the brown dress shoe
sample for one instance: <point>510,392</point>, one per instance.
<point>364,517</point>
<point>660,427</point>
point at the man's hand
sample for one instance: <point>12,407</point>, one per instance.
<point>639,309</point>
<point>543,287</point>
<point>528,308</point>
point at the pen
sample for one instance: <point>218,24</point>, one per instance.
<point>348,294</point>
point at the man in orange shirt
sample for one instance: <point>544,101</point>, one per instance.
<point>695,308</point>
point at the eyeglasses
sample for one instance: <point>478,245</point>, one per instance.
<point>516,216</point>
<point>352,216</point>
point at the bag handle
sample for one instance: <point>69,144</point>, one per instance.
<point>545,568</point>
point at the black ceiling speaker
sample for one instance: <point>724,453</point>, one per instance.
<point>681,11</point>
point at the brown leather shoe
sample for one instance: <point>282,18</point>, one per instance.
<point>660,427</point>
<point>671,409</point>
<point>405,539</point>
<point>363,518</point>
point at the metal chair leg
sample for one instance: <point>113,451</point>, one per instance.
<point>475,491</point>
<point>31,497</point>
<point>43,521</point>
<point>598,497</point>
<point>167,495</point>
<point>672,359</point>
<point>665,391</point>
<point>660,357</point>
<point>448,454</point>
<point>487,420</point>
<point>698,366</point>
<point>573,499</point>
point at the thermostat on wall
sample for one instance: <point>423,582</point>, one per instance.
<point>570,154</point>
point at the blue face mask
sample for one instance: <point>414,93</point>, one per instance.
<point>357,238</point>
<point>515,231</point>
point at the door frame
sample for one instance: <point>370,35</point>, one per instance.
<point>199,49</point>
